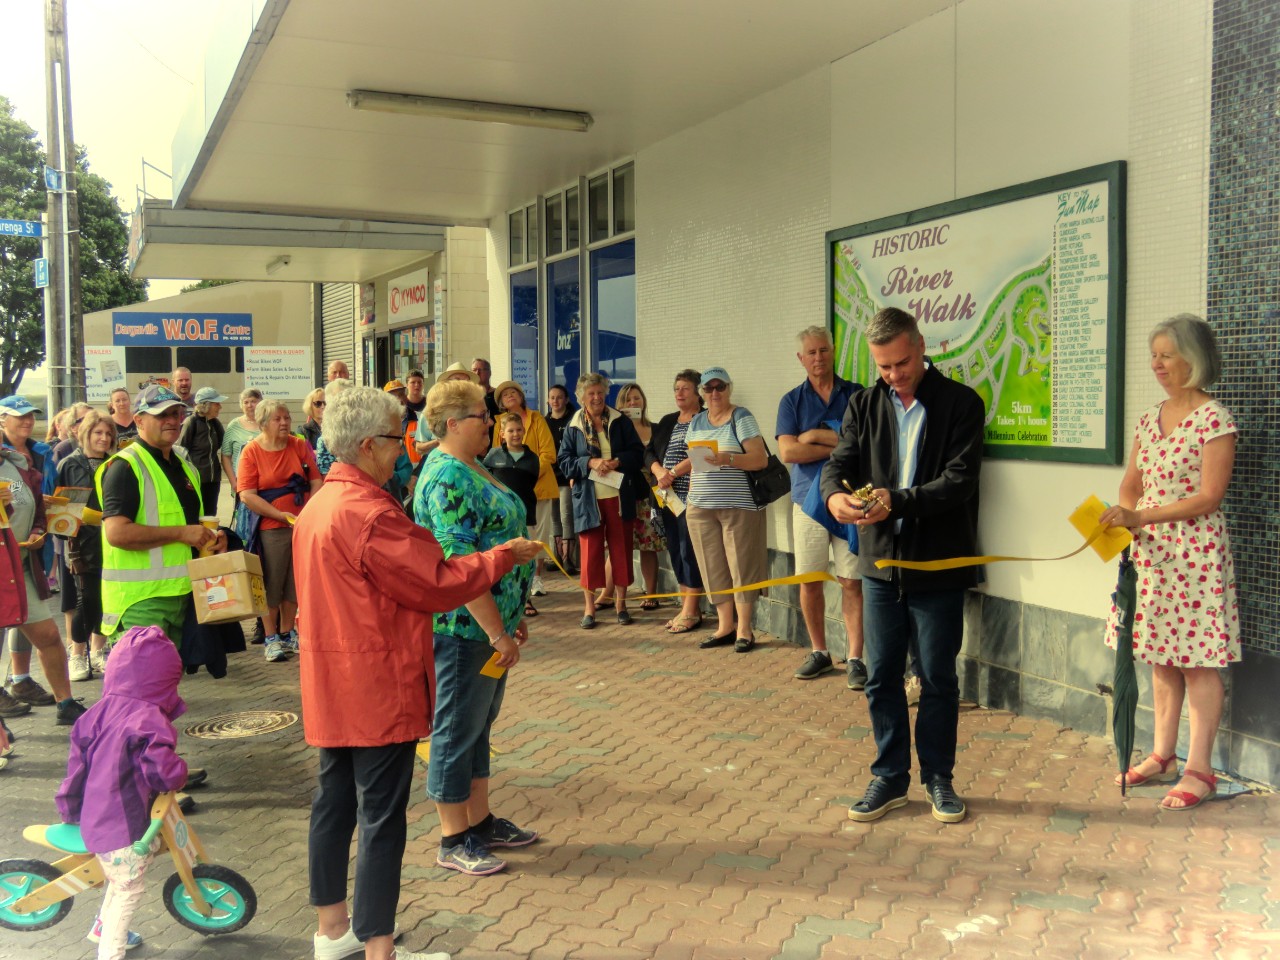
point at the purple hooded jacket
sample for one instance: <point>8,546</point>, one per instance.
<point>123,747</point>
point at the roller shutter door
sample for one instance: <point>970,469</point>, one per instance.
<point>337,323</point>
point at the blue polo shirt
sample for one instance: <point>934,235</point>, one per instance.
<point>802,409</point>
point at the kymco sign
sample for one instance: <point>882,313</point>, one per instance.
<point>409,297</point>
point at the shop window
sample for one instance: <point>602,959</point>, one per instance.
<point>515,237</point>
<point>613,300</point>
<point>205,359</point>
<point>564,304</point>
<point>531,231</point>
<point>624,199</point>
<point>524,333</point>
<point>571,219</point>
<point>157,361</point>
<point>554,220</point>
<point>598,207</point>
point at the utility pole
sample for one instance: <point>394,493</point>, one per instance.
<point>64,330</point>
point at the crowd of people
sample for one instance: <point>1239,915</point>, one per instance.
<point>402,533</point>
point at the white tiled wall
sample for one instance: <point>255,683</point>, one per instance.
<point>730,224</point>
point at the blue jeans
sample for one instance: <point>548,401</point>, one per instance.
<point>936,622</point>
<point>466,706</point>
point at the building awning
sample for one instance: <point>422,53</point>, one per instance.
<point>217,245</point>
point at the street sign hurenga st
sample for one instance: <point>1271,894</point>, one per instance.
<point>21,228</point>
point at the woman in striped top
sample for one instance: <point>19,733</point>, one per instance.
<point>725,525</point>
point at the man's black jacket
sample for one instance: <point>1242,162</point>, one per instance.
<point>939,512</point>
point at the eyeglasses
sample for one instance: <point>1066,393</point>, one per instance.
<point>486,417</point>
<point>387,436</point>
<point>715,388</point>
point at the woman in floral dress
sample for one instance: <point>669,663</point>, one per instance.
<point>1186,625</point>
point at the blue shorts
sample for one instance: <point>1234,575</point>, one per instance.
<point>466,706</point>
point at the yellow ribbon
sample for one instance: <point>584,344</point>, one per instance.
<point>815,577</point>
<point>952,563</point>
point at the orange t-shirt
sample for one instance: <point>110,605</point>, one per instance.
<point>262,469</point>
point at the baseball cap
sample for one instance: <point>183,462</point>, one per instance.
<point>155,399</point>
<point>17,406</point>
<point>209,395</point>
<point>715,373</point>
<point>393,385</point>
<point>451,371</point>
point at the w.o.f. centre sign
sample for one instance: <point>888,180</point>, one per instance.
<point>409,297</point>
<point>135,328</point>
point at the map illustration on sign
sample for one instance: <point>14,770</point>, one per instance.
<point>1018,294</point>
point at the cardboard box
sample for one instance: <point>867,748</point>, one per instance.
<point>228,586</point>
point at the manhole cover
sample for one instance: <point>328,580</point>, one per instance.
<point>250,723</point>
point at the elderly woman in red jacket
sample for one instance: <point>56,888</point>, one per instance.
<point>368,580</point>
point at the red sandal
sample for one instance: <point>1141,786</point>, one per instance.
<point>1190,800</point>
<point>1168,772</point>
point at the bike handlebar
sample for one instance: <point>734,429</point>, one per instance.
<point>143,846</point>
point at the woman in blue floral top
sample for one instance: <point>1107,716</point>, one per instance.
<point>469,511</point>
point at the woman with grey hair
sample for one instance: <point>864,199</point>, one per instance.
<point>238,433</point>
<point>1186,625</point>
<point>278,475</point>
<point>324,456</point>
<point>469,511</point>
<point>369,580</point>
<point>599,448</point>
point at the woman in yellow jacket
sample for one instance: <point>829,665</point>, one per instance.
<point>537,437</point>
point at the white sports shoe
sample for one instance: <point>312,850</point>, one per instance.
<point>78,668</point>
<point>406,955</point>
<point>345,946</point>
<point>538,589</point>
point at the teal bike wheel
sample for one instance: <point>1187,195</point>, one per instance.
<point>230,895</point>
<point>17,879</point>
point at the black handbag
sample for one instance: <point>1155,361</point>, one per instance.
<point>772,481</point>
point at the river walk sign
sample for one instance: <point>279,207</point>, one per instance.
<point>134,328</point>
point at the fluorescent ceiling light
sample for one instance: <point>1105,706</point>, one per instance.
<point>444,108</point>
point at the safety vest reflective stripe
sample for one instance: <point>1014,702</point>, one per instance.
<point>129,576</point>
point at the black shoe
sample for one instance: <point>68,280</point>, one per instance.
<point>815,665</point>
<point>185,803</point>
<point>743,644</point>
<point>624,618</point>
<point>881,797</point>
<point>947,807</point>
<point>259,634</point>
<point>69,711</point>
<point>195,777</point>
<point>714,641</point>
<point>857,674</point>
<point>588,622</point>
<point>10,707</point>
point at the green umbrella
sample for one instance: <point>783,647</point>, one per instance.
<point>1124,684</point>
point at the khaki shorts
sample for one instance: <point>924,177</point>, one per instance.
<point>543,529</point>
<point>37,609</point>
<point>277,566</point>
<point>815,547</point>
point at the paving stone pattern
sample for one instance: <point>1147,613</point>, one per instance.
<point>693,805</point>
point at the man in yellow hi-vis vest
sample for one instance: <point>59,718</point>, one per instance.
<point>150,501</point>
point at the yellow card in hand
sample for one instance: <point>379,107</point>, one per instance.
<point>1085,520</point>
<point>491,669</point>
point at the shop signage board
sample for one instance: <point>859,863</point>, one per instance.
<point>104,372</point>
<point>408,297</point>
<point>284,372</point>
<point>138,328</point>
<point>1018,292</point>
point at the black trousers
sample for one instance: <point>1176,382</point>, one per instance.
<point>368,787</point>
<point>209,496</point>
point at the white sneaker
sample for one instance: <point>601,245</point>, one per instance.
<point>406,955</point>
<point>345,946</point>
<point>78,668</point>
<point>538,589</point>
<point>913,691</point>
<point>97,661</point>
<point>276,652</point>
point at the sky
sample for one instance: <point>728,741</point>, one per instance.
<point>133,63</point>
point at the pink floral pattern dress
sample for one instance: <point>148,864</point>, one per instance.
<point>1186,613</point>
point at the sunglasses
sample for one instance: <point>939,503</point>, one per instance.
<point>317,403</point>
<point>715,388</point>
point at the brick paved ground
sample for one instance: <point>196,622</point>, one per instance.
<point>693,806</point>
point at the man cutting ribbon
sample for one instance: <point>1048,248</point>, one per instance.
<point>916,437</point>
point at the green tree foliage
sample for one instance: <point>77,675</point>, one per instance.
<point>104,245</point>
<point>204,285</point>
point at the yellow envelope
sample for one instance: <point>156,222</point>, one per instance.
<point>491,669</point>
<point>1086,520</point>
